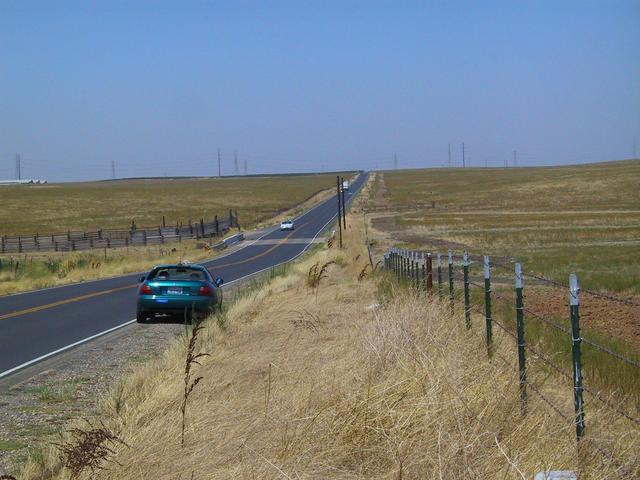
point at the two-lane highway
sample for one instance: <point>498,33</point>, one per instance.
<point>39,324</point>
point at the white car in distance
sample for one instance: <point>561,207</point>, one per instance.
<point>287,225</point>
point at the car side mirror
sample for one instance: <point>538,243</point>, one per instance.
<point>218,281</point>
<point>142,279</point>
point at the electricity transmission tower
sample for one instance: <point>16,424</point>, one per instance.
<point>245,165</point>
<point>18,167</point>
<point>395,161</point>
<point>219,169</point>
<point>113,169</point>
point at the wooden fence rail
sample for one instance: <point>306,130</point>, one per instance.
<point>134,236</point>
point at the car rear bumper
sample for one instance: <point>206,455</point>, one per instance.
<point>167,304</point>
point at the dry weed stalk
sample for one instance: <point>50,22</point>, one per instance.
<point>189,384</point>
<point>307,320</point>
<point>363,273</point>
<point>88,448</point>
<point>316,273</point>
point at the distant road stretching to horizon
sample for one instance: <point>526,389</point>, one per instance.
<point>39,324</point>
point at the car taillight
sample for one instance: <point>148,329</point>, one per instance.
<point>145,290</point>
<point>205,290</point>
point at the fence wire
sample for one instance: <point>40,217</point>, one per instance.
<point>458,275</point>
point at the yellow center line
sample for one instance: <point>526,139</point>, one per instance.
<point>62,302</point>
<point>283,240</point>
<point>113,290</point>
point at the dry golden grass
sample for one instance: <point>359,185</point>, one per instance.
<point>555,220</point>
<point>81,266</point>
<point>55,208</point>
<point>36,272</point>
<point>359,379</point>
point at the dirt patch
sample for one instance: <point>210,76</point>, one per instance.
<point>611,318</point>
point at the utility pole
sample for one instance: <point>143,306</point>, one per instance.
<point>245,166</point>
<point>113,169</point>
<point>344,209</point>
<point>18,167</point>
<point>219,169</point>
<point>515,158</point>
<point>634,147</point>
<point>449,163</point>
<point>339,209</point>
<point>395,161</point>
<point>236,171</point>
<point>464,164</point>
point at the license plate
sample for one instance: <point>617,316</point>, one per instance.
<point>174,291</point>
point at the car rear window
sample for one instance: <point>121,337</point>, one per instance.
<point>178,273</point>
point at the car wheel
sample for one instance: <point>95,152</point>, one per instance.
<point>141,316</point>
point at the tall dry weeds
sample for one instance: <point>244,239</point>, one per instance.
<point>192,358</point>
<point>88,449</point>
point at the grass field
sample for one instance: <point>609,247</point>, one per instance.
<point>349,377</point>
<point>556,220</point>
<point>114,204</point>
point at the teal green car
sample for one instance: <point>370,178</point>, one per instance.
<point>180,289</point>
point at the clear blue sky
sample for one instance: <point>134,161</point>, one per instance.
<point>298,85</point>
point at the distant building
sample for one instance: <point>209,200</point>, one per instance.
<point>29,181</point>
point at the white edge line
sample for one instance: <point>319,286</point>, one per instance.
<point>67,347</point>
<point>92,337</point>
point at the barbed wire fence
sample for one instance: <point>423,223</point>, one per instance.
<point>417,269</point>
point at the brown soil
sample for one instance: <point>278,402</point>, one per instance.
<point>606,316</point>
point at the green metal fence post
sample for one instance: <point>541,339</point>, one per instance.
<point>467,303</point>
<point>439,259</point>
<point>487,304</point>
<point>576,340</point>
<point>451,298</point>
<point>521,342</point>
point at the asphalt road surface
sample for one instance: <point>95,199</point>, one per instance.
<point>39,324</point>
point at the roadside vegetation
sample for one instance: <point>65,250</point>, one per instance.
<point>331,369</point>
<point>56,208</point>
<point>26,272</point>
